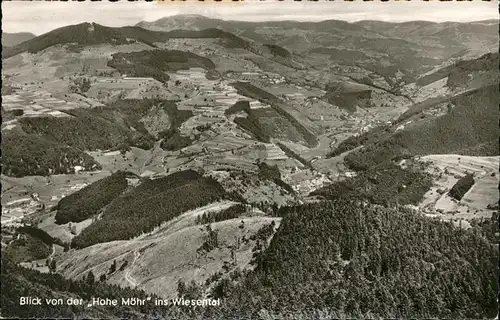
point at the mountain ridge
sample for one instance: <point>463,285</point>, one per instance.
<point>92,33</point>
<point>12,39</point>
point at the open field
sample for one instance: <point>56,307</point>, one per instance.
<point>33,103</point>
<point>52,70</point>
<point>158,260</point>
<point>62,231</point>
<point>448,169</point>
<point>135,160</point>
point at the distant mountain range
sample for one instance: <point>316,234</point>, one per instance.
<point>411,47</point>
<point>12,39</point>
<point>459,34</point>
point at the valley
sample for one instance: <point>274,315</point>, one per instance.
<point>280,167</point>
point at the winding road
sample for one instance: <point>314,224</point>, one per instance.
<point>128,275</point>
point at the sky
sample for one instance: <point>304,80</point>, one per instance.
<point>39,17</point>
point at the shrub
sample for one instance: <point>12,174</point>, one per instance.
<point>462,186</point>
<point>18,112</point>
<point>79,85</point>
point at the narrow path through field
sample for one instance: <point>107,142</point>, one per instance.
<point>53,251</point>
<point>128,276</point>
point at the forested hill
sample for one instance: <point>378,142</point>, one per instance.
<point>85,34</point>
<point>469,128</point>
<point>19,282</point>
<point>12,39</point>
<point>342,259</point>
<point>148,205</point>
<point>356,260</point>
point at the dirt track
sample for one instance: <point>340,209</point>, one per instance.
<point>128,275</point>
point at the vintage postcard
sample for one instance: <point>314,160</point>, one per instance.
<point>250,160</point>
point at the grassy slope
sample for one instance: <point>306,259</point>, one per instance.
<point>176,250</point>
<point>17,282</point>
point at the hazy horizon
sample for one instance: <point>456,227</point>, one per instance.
<point>41,17</point>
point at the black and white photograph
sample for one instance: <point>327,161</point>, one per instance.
<point>260,160</point>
